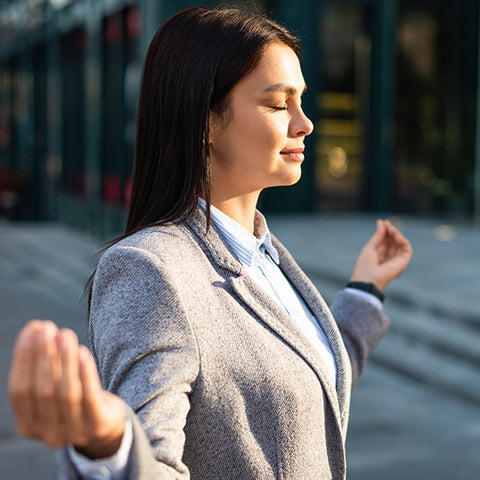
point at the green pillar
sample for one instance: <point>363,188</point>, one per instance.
<point>39,173</point>
<point>304,23</point>
<point>379,181</point>
<point>151,20</point>
<point>476,187</point>
<point>54,121</point>
<point>6,106</point>
<point>154,13</point>
<point>93,118</point>
<point>25,129</point>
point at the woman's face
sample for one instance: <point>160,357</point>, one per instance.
<point>258,141</point>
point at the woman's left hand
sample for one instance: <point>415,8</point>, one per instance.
<point>384,257</point>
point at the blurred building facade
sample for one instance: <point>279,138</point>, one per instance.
<point>393,92</point>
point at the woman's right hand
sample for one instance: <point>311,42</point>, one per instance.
<point>56,394</point>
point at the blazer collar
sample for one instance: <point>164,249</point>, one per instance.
<point>276,318</point>
<point>212,242</point>
<point>242,242</point>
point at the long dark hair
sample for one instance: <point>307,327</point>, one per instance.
<point>194,60</point>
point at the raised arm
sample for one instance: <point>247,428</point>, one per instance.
<point>362,325</point>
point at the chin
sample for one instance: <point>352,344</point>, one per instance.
<point>294,177</point>
<point>284,178</point>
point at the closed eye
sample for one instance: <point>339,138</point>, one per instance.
<point>277,108</point>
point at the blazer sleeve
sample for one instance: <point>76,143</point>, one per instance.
<point>146,354</point>
<point>362,325</point>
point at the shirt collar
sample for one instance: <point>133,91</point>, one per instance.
<point>239,239</point>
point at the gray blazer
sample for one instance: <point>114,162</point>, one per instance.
<point>223,384</point>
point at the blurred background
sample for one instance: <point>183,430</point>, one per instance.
<point>393,90</point>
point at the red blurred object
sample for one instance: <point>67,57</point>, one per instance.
<point>111,190</point>
<point>128,192</point>
<point>4,134</point>
<point>133,23</point>
<point>113,30</point>
<point>12,188</point>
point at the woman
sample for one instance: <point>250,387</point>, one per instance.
<point>217,356</point>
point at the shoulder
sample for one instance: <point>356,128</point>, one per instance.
<point>164,243</point>
<point>157,237</point>
<point>144,268</point>
<point>151,255</point>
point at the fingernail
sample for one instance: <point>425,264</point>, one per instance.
<point>48,335</point>
<point>65,342</point>
<point>25,340</point>
<point>83,357</point>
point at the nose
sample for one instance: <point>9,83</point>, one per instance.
<point>300,125</point>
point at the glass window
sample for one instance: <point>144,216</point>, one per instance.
<point>342,102</point>
<point>73,112</point>
<point>435,119</point>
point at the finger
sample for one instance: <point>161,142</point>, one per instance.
<point>70,386</point>
<point>389,240</point>
<point>405,245</point>
<point>382,253</point>
<point>394,233</point>
<point>391,246</point>
<point>378,235</point>
<point>46,384</point>
<point>104,411</point>
<point>397,260</point>
<point>20,382</point>
<point>402,245</point>
<point>91,386</point>
<point>380,228</point>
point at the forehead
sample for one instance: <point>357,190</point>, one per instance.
<point>277,70</point>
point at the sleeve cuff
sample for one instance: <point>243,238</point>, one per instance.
<point>113,467</point>
<point>365,295</point>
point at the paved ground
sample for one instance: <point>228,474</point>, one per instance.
<point>416,412</point>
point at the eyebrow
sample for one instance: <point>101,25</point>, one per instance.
<point>283,87</point>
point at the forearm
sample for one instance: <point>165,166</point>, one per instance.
<point>135,460</point>
<point>115,465</point>
<point>362,325</point>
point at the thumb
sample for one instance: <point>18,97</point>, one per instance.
<point>379,234</point>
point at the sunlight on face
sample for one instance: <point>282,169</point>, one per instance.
<point>262,143</point>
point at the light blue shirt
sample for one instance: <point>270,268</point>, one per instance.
<point>260,259</point>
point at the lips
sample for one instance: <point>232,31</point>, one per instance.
<point>295,154</point>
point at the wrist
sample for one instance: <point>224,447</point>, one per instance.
<point>369,279</point>
<point>103,447</point>
<point>368,287</point>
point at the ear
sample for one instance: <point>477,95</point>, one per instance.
<point>214,126</point>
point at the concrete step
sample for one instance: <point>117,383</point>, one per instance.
<point>51,258</point>
<point>52,243</point>
<point>415,359</point>
<point>445,335</point>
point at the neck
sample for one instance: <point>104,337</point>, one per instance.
<point>241,208</point>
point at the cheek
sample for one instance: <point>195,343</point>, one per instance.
<point>263,131</point>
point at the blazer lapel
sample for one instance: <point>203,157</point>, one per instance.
<point>278,321</point>
<point>320,309</point>
<point>274,317</point>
